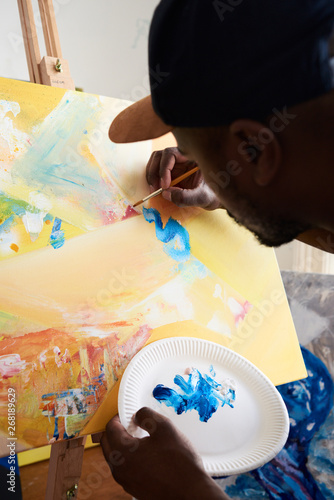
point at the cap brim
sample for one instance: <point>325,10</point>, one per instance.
<point>138,122</point>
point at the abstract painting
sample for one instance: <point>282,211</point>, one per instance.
<point>87,281</point>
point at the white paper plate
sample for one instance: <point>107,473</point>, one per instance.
<point>233,440</point>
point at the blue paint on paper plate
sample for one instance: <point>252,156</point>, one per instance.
<point>200,393</point>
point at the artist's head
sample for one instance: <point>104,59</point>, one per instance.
<point>246,88</point>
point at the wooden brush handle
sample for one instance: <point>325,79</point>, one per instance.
<point>184,176</point>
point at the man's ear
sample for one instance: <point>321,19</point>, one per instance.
<point>258,146</point>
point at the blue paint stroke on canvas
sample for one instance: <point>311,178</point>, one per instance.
<point>200,393</point>
<point>57,236</point>
<point>6,225</point>
<point>71,401</point>
<point>54,162</point>
<point>62,164</point>
<point>71,404</point>
<point>174,236</point>
<point>56,431</point>
<point>310,406</point>
<point>192,270</point>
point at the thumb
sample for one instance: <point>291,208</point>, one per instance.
<point>151,421</point>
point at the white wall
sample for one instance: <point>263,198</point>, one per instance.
<point>284,256</point>
<point>105,42</point>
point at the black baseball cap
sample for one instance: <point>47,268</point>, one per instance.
<point>214,61</point>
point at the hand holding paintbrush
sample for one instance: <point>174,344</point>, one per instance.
<point>173,183</point>
<point>188,189</point>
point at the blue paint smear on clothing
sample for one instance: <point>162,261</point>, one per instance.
<point>174,236</point>
<point>57,236</point>
<point>310,405</point>
<point>246,488</point>
<point>200,393</point>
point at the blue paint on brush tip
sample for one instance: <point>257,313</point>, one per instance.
<point>174,236</point>
<point>200,393</point>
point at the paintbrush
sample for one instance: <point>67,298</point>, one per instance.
<point>173,183</point>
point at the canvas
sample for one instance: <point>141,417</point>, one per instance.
<point>87,281</point>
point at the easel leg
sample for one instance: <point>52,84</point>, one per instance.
<point>65,469</point>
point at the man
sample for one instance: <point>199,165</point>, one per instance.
<point>246,88</point>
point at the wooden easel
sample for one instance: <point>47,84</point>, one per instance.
<point>52,70</point>
<point>66,456</point>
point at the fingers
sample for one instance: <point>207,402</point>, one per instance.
<point>152,170</point>
<point>114,457</point>
<point>162,431</point>
<point>160,166</point>
<point>117,443</point>
<point>196,197</point>
<point>117,434</point>
<point>152,422</point>
<point>169,157</point>
<point>96,438</point>
<point>159,174</point>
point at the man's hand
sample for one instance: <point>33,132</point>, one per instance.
<point>163,166</point>
<point>162,466</point>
